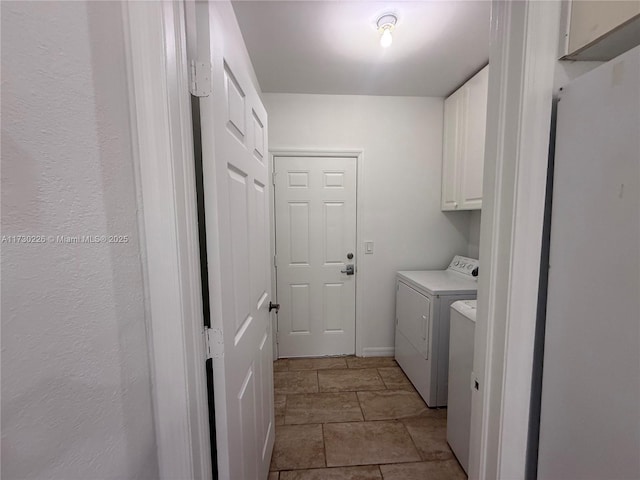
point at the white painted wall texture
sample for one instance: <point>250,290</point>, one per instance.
<point>402,142</point>
<point>473,250</point>
<point>76,388</point>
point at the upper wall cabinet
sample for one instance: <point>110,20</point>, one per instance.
<point>465,118</point>
<point>600,29</point>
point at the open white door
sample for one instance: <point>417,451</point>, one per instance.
<point>315,213</point>
<point>236,198</point>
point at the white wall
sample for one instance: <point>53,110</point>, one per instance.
<point>76,389</point>
<point>473,249</point>
<point>568,70</point>
<point>402,142</point>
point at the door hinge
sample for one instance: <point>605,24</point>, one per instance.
<point>275,261</point>
<point>273,178</point>
<point>200,79</point>
<point>278,338</point>
<point>214,342</point>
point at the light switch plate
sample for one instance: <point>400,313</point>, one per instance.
<point>368,248</point>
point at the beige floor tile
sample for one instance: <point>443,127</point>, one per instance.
<point>281,365</point>
<point>435,413</point>
<point>279,404</point>
<point>368,443</point>
<point>339,473</point>
<point>391,404</point>
<point>297,447</point>
<point>349,380</point>
<point>438,470</point>
<point>371,362</point>
<point>430,436</point>
<point>274,475</point>
<point>395,379</point>
<point>295,382</point>
<point>322,408</point>
<point>316,363</point>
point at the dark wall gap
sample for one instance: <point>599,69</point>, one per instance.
<point>533,437</point>
<point>204,272</point>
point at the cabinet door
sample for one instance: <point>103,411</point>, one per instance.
<point>452,148</point>
<point>471,164</point>
<point>602,30</point>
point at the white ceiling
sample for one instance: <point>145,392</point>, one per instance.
<point>333,46</point>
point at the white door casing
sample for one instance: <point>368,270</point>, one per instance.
<point>523,59</point>
<point>161,128</point>
<point>236,191</point>
<point>315,225</point>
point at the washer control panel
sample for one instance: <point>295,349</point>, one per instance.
<point>464,265</point>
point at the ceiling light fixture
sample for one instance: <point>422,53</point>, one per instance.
<point>386,24</point>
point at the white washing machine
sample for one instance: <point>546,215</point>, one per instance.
<point>462,331</point>
<point>423,299</point>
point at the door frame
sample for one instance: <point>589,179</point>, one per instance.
<point>358,154</point>
<point>523,59</point>
<point>163,156</point>
<point>164,170</point>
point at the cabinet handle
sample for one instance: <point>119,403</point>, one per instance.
<point>455,204</point>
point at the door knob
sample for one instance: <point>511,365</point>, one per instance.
<point>274,306</point>
<point>349,269</point>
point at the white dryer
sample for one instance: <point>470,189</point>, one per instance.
<point>423,299</point>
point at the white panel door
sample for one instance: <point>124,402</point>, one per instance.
<point>236,189</point>
<point>315,211</point>
<point>590,411</point>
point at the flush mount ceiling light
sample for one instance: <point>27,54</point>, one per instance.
<point>386,24</point>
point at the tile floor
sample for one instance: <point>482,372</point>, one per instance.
<point>348,418</point>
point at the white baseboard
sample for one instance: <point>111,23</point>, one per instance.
<point>378,352</point>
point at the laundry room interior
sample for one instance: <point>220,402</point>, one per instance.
<point>391,121</point>
<point>376,156</point>
<point>320,240</point>
<point>358,136</point>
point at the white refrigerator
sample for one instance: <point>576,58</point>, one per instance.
<point>590,404</point>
